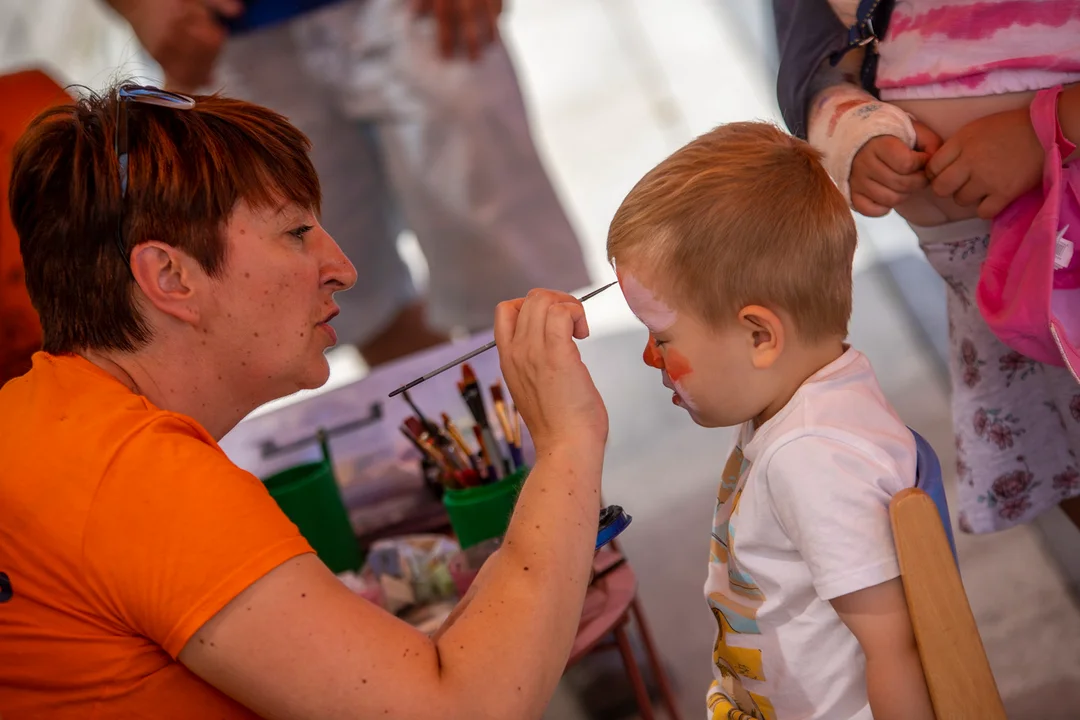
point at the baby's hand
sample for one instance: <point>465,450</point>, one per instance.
<point>989,162</point>
<point>886,171</point>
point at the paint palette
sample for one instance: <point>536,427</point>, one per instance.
<point>613,520</point>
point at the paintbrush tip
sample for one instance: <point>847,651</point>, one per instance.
<point>415,426</point>
<point>445,419</point>
<point>496,392</point>
<point>406,387</point>
<point>467,374</point>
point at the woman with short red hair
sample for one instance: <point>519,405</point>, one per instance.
<point>173,252</point>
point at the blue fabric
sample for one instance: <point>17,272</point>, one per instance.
<point>871,24</point>
<point>613,520</point>
<point>263,13</point>
<point>807,34</point>
<point>928,479</point>
<point>866,28</point>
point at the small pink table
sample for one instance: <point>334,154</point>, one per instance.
<point>610,604</point>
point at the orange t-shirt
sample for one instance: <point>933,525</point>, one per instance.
<point>123,529</point>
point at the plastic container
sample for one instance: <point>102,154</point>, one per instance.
<point>481,513</point>
<point>465,565</point>
<point>309,496</point>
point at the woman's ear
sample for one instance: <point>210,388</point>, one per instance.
<point>765,334</point>
<point>165,276</point>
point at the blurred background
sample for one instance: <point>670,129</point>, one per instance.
<point>612,87</point>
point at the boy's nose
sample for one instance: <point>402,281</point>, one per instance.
<point>652,356</point>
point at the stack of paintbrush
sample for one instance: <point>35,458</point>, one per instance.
<point>459,466</point>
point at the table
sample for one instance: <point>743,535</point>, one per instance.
<point>610,605</point>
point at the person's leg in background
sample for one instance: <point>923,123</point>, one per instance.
<point>455,142</point>
<point>383,314</point>
<point>1017,421</point>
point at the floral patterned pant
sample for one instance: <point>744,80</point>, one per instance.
<point>1017,421</point>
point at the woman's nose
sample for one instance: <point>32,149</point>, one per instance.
<point>339,269</point>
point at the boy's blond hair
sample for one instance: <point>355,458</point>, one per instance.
<point>743,215</point>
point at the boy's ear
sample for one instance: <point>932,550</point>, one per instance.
<point>765,335</point>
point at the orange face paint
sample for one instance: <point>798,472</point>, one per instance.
<point>677,365</point>
<point>652,356</point>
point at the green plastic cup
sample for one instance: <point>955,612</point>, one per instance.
<point>481,513</point>
<point>309,496</point>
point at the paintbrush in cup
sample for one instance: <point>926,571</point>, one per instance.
<point>485,456</point>
<point>446,476</point>
<point>456,468</point>
<point>429,425</point>
<point>459,440</point>
<point>516,418</point>
<point>474,398</point>
<point>504,422</point>
<point>417,429</point>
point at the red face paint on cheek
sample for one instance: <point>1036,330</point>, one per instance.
<point>652,356</point>
<point>677,365</point>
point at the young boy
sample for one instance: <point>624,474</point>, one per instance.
<point>736,252</point>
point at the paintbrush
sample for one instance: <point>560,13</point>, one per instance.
<point>445,476</point>
<point>487,454</point>
<point>477,351</point>
<point>504,423</point>
<point>470,391</point>
<point>492,476</point>
<point>449,463</point>
<point>442,442</point>
<point>459,439</point>
<point>431,427</point>
<point>421,433</point>
<point>516,417</point>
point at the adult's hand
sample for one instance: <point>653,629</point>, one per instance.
<point>543,370</point>
<point>183,36</point>
<point>297,644</point>
<point>473,24</point>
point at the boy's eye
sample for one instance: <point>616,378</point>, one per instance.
<point>300,232</point>
<point>660,343</point>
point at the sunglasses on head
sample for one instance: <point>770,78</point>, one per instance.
<point>145,95</point>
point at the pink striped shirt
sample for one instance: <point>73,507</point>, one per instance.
<point>970,48</point>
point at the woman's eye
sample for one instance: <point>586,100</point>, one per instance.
<point>300,232</point>
<point>660,343</point>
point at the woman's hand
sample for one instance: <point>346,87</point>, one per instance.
<point>543,370</point>
<point>989,162</point>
